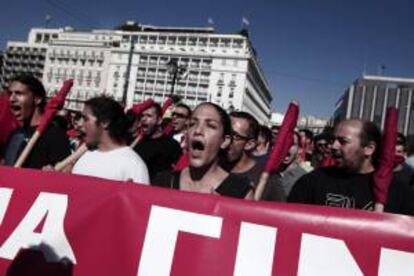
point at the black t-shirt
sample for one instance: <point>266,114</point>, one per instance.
<point>406,175</point>
<point>158,154</point>
<point>333,187</point>
<point>52,147</point>
<point>232,186</point>
<point>400,194</point>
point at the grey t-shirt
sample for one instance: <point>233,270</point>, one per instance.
<point>273,190</point>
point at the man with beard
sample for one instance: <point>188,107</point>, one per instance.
<point>239,158</point>
<point>27,100</point>
<point>105,127</point>
<point>349,184</point>
<point>180,118</point>
<point>159,152</point>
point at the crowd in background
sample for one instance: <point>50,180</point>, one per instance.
<point>206,150</point>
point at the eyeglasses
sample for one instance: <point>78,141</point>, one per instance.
<point>239,137</point>
<point>179,115</point>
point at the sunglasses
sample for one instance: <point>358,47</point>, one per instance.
<point>239,137</point>
<point>179,115</point>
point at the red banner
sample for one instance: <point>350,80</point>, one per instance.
<point>114,228</point>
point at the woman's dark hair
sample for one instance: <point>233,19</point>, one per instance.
<point>224,117</point>
<point>34,85</point>
<point>107,110</point>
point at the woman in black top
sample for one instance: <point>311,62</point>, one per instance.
<point>208,135</point>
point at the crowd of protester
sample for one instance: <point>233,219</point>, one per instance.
<point>223,154</point>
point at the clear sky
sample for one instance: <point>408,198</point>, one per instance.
<point>310,50</point>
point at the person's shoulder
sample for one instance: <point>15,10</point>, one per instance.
<point>243,182</point>
<point>128,154</point>
<point>165,179</point>
<point>54,131</point>
<point>170,141</point>
<point>235,186</point>
<point>320,172</point>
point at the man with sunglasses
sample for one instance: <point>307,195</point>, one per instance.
<point>239,157</point>
<point>180,119</point>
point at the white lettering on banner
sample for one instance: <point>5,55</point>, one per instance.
<point>161,237</point>
<point>324,256</point>
<point>255,250</point>
<point>5,195</point>
<point>396,263</point>
<point>53,206</point>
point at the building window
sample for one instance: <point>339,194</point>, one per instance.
<point>219,92</point>
<point>231,94</point>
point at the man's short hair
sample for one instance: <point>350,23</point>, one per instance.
<point>107,110</point>
<point>186,107</point>
<point>308,133</point>
<point>371,133</point>
<point>401,141</point>
<point>253,131</point>
<point>158,109</point>
<point>34,85</point>
<point>266,133</point>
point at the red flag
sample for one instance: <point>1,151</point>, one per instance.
<point>141,107</point>
<point>327,161</point>
<point>182,163</point>
<point>384,173</point>
<point>168,129</point>
<point>8,121</point>
<point>284,139</point>
<point>168,102</point>
<point>54,105</point>
<point>398,160</point>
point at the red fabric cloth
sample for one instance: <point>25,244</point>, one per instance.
<point>141,107</point>
<point>8,121</point>
<point>384,173</point>
<point>168,102</point>
<point>182,163</point>
<point>327,161</point>
<point>398,160</point>
<point>54,105</point>
<point>117,228</point>
<point>284,139</point>
<point>168,129</point>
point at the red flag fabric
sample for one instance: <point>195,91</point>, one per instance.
<point>141,107</point>
<point>168,129</point>
<point>54,105</point>
<point>284,139</point>
<point>116,228</point>
<point>398,160</point>
<point>182,163</point>
<point>168,102</point>
<point>384,173</point>
<point>8,121</point>
<point>327,161</point>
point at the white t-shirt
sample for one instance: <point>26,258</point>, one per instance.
<point>118,164</point>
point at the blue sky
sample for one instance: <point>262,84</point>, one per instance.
<point>310,50</point>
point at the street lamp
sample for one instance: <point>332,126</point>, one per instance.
<point>177,71</point>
